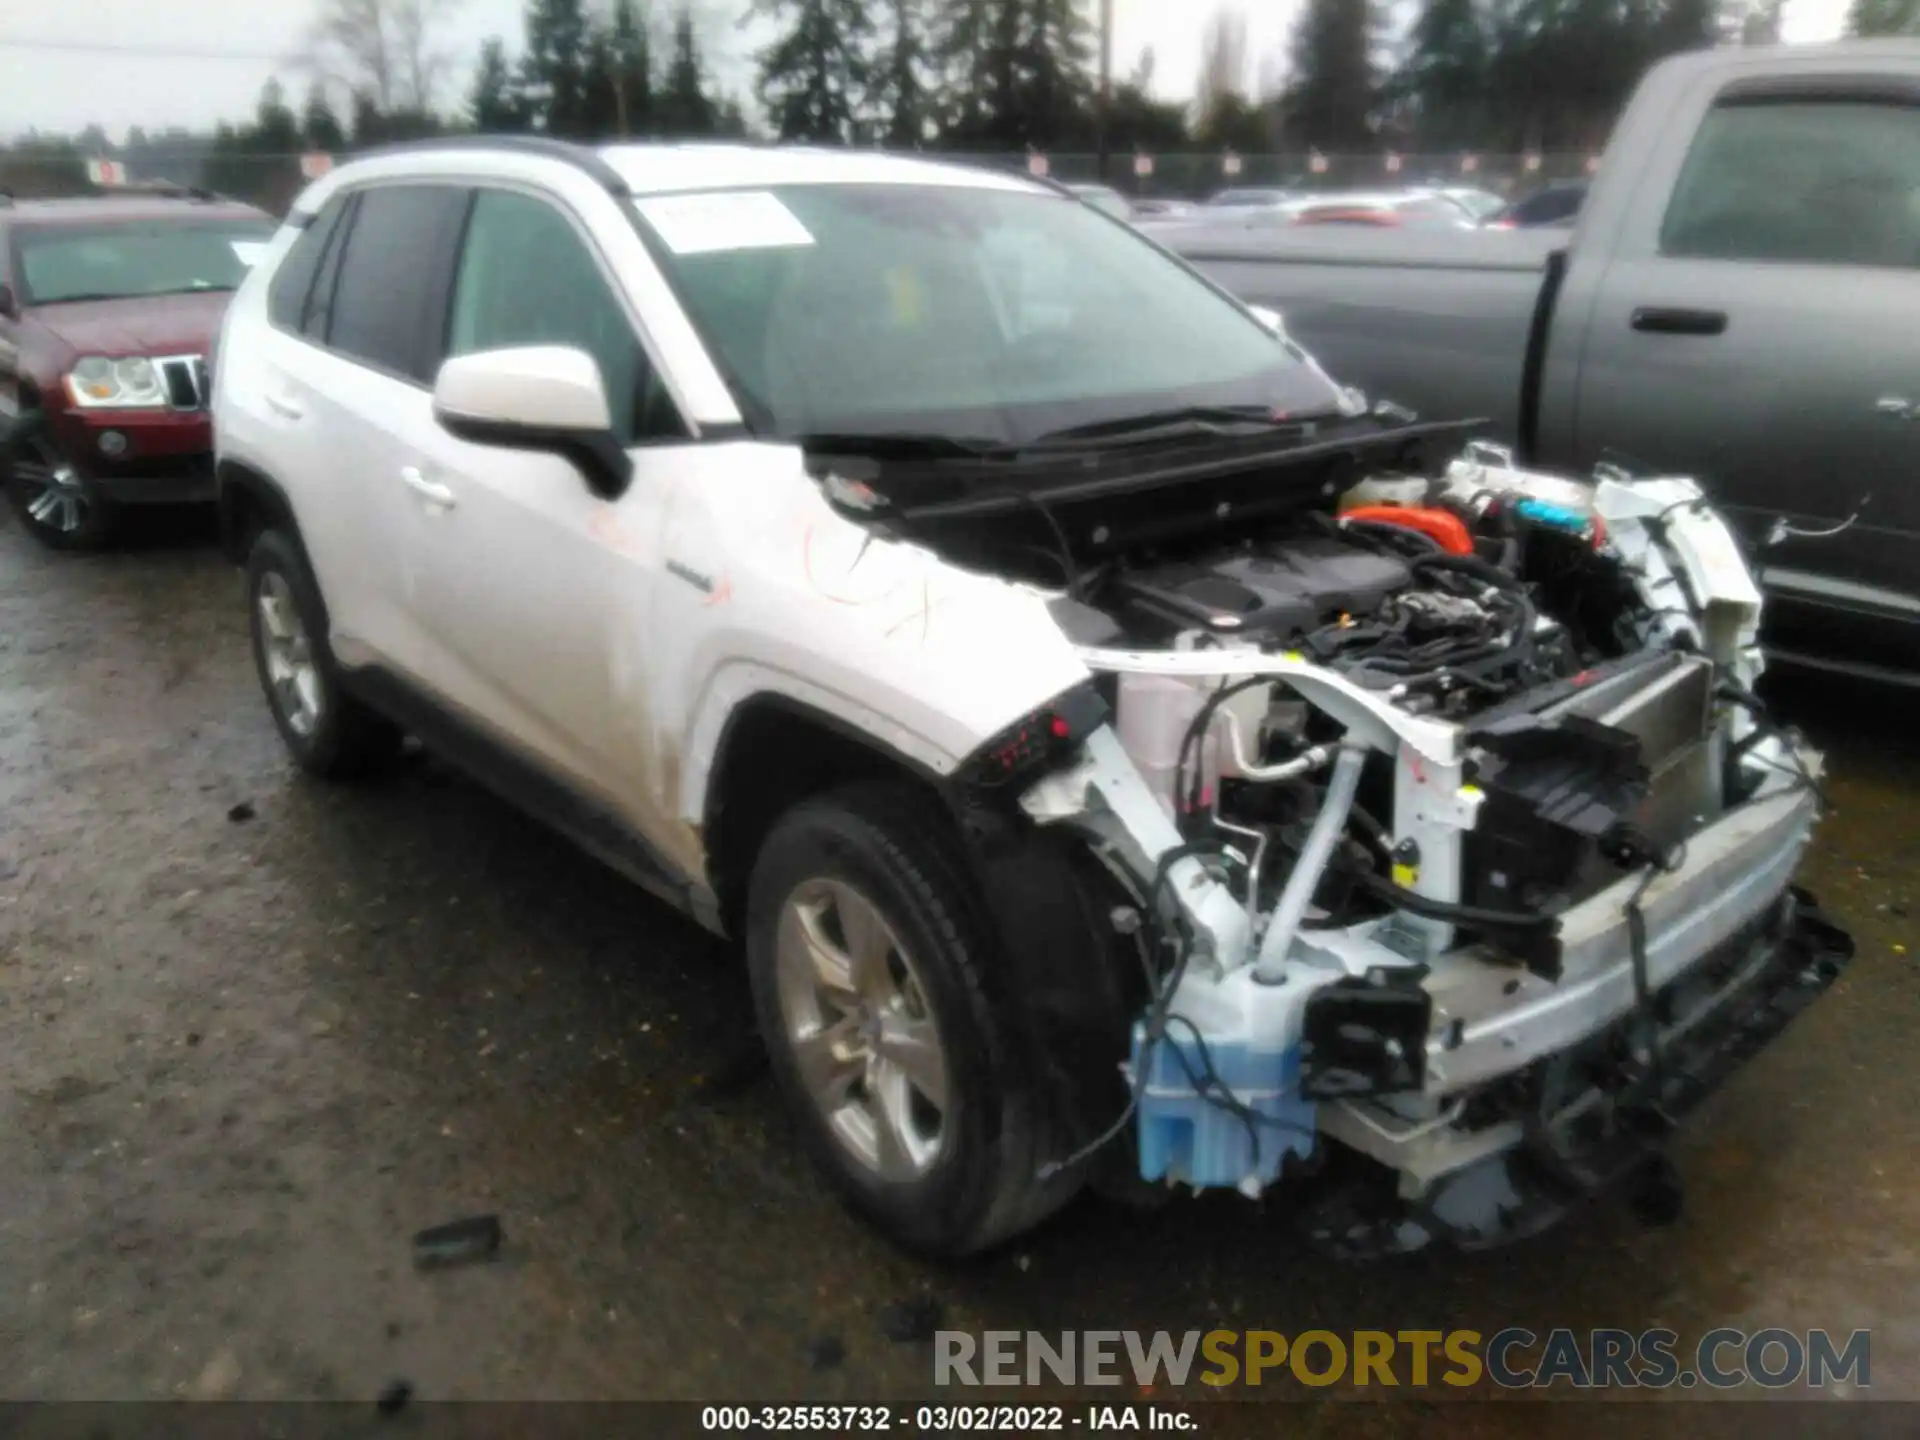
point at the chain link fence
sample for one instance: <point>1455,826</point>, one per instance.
<point>272,181</point>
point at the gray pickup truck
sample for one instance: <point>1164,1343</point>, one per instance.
<point>1740,302</point>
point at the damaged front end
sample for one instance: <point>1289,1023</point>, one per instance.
<point>1454,840</point>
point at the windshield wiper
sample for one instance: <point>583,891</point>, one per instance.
<point>1191,420</point>
<point>1169,424</point>
<point>907,445</point>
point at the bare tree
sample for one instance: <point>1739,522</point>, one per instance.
<point>382,49</point>
<point>422,65</point>
<point>1223,61</point>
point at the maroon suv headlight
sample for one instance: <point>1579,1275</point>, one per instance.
<point>127,382</point>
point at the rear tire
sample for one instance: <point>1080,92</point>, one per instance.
<point>46,492</point>
<point>871,978</point>
<point>329,732</point>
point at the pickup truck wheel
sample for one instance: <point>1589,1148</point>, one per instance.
<point>329,732</point>
<point>870,978</point>
<point>47,494</point>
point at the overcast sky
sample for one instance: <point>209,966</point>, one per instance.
<point>194,62</point>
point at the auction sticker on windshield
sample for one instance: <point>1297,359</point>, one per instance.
<point>724,220</point>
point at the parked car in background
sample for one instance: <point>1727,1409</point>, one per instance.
<point>1104,197</point>
<point>1410,208</point>
<point>1476,204</point>
<point>1160,208</point>
<point>108,309</point>
<point>1248,198</point>
<point>1557,204</point>
<point>841,545</point>
<point>1737,301</point>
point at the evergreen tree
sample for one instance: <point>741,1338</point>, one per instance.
<point>1759,23</point>
<point>493,104</point>
<point>731,121</point>
<point>275,130</point>
<point>1054,84</point>
<point>555,67</point>
<point>1679,25</point>
<point>1137,121</point>
<point>599,86</point>
<point>369,125</point>
<point>319,126</point>
<point>1444,78</point>
<point>1884,17</point>
<point>976,68</point>
<point>633,71</point>
<point>815,74</point>
<point>901,94</point>
<point>1333,93</point>
<point>684,106</point>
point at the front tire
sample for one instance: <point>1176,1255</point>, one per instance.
<point>329,732</point>
<point>48,495</point>
<point>871,971</point>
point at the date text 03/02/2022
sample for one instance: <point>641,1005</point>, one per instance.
<point>942,1419</point>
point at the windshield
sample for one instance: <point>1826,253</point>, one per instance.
<point>133,258</point>
<point>1101,198</point>
<point>989,314</point>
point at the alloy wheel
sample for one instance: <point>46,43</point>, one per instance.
<point>293,676</point>
<point>864,1038</point>
<point>51,490</point>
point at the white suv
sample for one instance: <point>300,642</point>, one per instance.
<point>923,577</point>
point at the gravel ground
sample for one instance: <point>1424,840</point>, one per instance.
<point>259,1030</point>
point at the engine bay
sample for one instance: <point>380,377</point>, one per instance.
<point>1442,630</point>
<point>1413,778</point>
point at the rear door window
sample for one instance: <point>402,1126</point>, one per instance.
<point>389,301</point>
<point>1816,181</point>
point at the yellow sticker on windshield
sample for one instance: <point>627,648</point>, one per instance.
<point>907,296</point>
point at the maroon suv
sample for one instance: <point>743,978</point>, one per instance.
<point>108,309</point>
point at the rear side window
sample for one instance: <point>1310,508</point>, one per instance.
<point>317,314</point>
<point>1833,182</point>
<point>391,291</point>
<point>293,281</point>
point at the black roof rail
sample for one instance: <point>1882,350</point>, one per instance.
<point>581,157</point>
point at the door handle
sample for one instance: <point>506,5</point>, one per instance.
<point>1895,407</point>
<point>432,491</point>
<point>284,407</point>
<point>1667,320</point>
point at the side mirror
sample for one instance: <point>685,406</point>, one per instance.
<point>9,303</point>
<point>535,397</point>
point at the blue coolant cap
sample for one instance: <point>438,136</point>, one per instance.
<point>1559,517</point>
